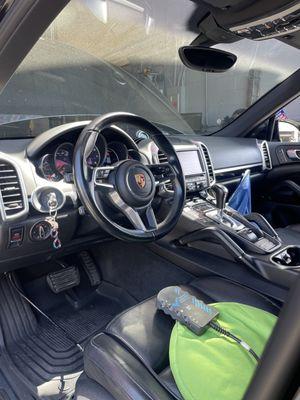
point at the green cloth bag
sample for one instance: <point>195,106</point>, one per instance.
<point>213,366</point>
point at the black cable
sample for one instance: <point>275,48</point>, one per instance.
<point>241,342</point>
<point>68,336</point>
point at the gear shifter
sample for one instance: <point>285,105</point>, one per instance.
<point>221,193</point>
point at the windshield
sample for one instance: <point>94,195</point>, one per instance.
<point>120,55</point>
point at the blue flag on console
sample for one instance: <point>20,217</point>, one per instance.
<point>241,198</point>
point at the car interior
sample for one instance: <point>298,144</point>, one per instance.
<point>118,161</point>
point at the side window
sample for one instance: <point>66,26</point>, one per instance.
<point>289,122</point>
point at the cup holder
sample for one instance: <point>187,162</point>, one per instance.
<point>287,258</point>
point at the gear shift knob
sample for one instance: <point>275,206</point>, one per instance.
<point>221,193</point>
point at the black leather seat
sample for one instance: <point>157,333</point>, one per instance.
<point>130,359</point>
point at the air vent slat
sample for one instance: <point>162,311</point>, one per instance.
<point>11,183</point>
<point>10,204</point>
<point>13,207</point>
<point>267,162</point>
<point>10,190</point>
<point>7,176</point>
<point>162,158</point>
<point>11,195</point>
<point>208,161</point>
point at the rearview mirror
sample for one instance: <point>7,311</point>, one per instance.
<point>206,59</point>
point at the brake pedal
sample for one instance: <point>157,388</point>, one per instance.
<point>90,268</point>
<point>64,279</point>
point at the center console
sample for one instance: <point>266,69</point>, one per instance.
<point>248,239</point>
<point>195,170</point>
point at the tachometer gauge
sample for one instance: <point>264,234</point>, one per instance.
<point>93,160</point>
<point>48,170</point>
<point>111,157</point>
<point>63,158</point>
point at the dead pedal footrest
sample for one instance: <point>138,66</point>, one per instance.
<point>63,279</point>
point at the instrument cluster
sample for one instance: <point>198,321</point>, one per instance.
<point>56,164</point>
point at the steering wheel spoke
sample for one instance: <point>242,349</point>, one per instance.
<point>163,173</point>
<point>142,219</point>
<point>151,218</point>
<point>129,212</point>
<point>101,177</point>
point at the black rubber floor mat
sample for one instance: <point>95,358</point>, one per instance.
<point>51,361</point>
<point>6,392</point>
<point>3,395</point>
<point>39,351</point>
<point>12,385</point>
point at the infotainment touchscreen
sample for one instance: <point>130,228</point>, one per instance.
<point>190,162</point>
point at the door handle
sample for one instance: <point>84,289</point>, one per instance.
<point>293,154</point>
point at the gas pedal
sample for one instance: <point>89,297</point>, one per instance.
<point>64,279</point>
<point>90,268</point>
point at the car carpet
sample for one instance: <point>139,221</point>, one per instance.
<point>38,354</point>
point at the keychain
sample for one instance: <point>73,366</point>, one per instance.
<point>52,203</point>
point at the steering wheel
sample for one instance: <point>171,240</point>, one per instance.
<point>128,186</point>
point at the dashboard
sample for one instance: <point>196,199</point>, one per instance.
<point>45,163</point>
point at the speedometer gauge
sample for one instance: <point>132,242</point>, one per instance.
<point>63,158</point>
<point>93,160</point>
<point>111,157</point>
<point>48,170</point>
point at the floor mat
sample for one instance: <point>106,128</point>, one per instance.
<point>48,362</point>
<point>136,268</point>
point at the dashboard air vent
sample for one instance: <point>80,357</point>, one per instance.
<point>208,161</point>
<point>162,158</point>
<point>267,163</point>
<point>12,197</point>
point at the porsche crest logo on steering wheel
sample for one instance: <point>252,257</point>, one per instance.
<point>140,180</point>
